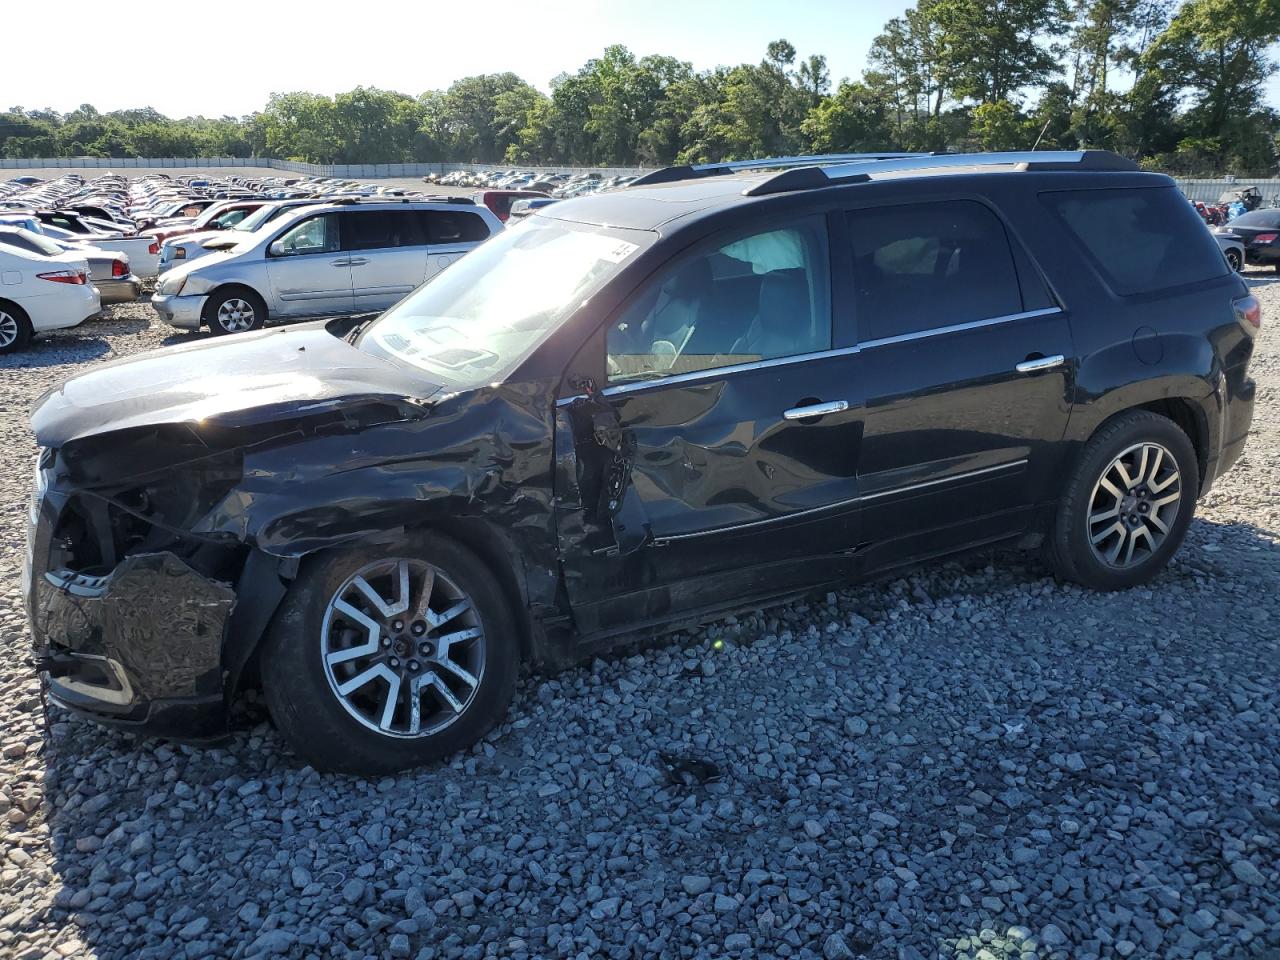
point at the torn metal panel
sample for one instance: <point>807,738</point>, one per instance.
<point>596,471</point>
<point>154,615</point>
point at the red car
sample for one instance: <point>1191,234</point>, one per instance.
<point>500,201</point>
<point>219,216</point>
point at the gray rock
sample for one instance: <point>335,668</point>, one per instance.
<point>1246,872</point>
<point>695,885</point>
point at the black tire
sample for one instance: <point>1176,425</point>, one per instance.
<point>307,708</point>
<point>1069,549</point>
<point>15,328</point>
<point>1234,259</point>
<point>233,320</point>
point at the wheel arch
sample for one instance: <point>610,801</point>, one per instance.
<point>233,285</point>
<point>1189,416</point>
<point>16,307</point>
<point>502,557</point>
<point>269,578</point>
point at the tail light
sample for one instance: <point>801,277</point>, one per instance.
<point>1248,311</point>
<point>64,276</point>
<point>154,247</point>
<point>1265,237</point>
<point>119,268</point>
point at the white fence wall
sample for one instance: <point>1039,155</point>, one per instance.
<point>1211,190</point>
<point>1206,189</point>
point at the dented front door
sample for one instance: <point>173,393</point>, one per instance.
<point>710,491</point>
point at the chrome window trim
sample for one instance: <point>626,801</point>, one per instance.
<point>907,488</point>
<point>717,372</point>
<point>713,373</point>
<point>960,327</point>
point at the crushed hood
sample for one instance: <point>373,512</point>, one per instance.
<point>268,375</point>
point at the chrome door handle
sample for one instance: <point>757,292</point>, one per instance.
<point>358,261</point>
<point>815,410</point>
<point>1041,363</point>
<point>341,262</point>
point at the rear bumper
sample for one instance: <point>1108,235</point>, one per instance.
<point>118,290</point>
<point>185,313</point>
<point>65,308</point>
<point>1262,255</point>
<point>1238,420</point>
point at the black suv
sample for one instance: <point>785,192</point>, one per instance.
<point>713,390</point>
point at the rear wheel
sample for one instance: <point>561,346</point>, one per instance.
<point>1128,504</point>
<point>15,328</point>
<point>389,657</point>
<point>236,310</point>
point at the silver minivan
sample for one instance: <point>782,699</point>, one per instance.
<point>324,260</point>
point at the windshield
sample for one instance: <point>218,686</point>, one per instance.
<point>256,219</point>
<point>473,323</point>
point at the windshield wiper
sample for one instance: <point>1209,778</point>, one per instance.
<point>356,330</point>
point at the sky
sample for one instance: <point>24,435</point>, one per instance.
<point>193,58</point>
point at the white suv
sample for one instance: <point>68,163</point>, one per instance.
<point>325,260</point>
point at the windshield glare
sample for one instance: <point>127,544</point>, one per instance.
<point>473,323</point>
<point>256,219</point>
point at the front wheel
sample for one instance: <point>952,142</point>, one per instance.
<point>1234,259</point>
<point>1128,504</point>
<point>389,657</point>
<point>235,311</point>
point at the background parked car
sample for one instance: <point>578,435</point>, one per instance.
<point>1232,247</point>
<point>193,246</point>
<point>108,269</point>
<point>330,259</point>
<point>42,293</point>
<point>1259,231</point>
<point>500,201</point>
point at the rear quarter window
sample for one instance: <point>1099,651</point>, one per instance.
<point>1141,240</point>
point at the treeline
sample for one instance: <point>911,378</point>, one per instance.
<point>1179,86</point>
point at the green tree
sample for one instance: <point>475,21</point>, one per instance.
<point>852,120</point>
<point>994,48</point>
<point>1214,52</point>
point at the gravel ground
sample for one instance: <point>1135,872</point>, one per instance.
<point>973,761</point>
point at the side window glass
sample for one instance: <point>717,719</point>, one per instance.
<point>921,266</point>
<point>1141,240</point>
<point>410,230</point>
<point>758,297</point>
<point>371,229</point>
<point>453,226</point>
<point>314,235</point>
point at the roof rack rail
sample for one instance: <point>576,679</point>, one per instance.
<point>698,170</point>
<point>825,175</point>
<point>425,198</point>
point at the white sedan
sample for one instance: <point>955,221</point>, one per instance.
<point>42,293</point>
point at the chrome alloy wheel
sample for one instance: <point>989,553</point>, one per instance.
<point>235,315</point>
<point>8,329</point>
<point>1134,504</point>
<point>403,648</point>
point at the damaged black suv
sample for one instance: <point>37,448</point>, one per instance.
<point>710,391</point>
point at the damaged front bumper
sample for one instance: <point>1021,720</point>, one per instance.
<point>140,647</point>
<point>139,639</point>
